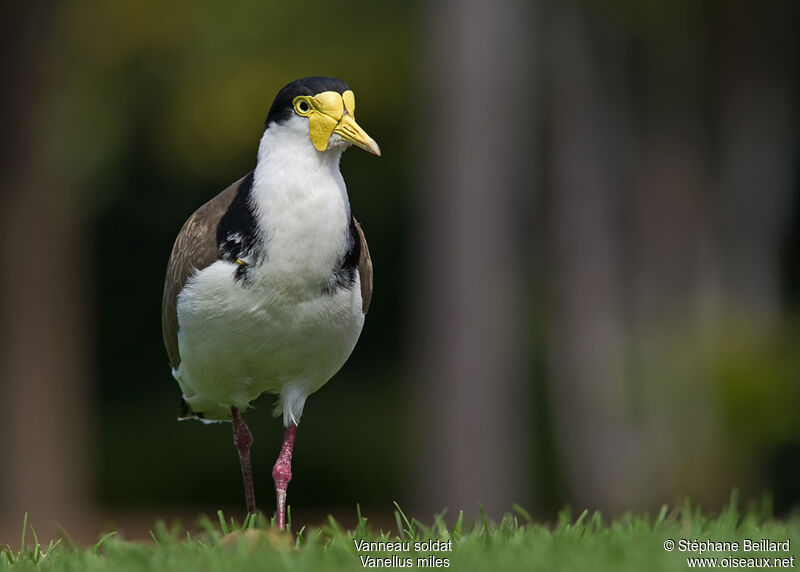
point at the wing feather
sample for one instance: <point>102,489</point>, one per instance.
<point>364,270</point>
<point>195,248</point>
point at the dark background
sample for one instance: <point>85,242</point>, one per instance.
<point>585,229</point>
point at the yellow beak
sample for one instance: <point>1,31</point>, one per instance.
<point>350,131</point>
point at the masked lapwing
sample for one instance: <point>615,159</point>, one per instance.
<point>268,282</point>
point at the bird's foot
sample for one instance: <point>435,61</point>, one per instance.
<point>282,474</point>
<point>242,439</point>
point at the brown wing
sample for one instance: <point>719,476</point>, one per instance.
<point>194,249</point>
<point>364,270</point>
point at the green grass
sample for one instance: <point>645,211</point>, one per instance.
<point>516,543</point>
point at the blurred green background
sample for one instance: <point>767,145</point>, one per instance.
<point>585,228</point>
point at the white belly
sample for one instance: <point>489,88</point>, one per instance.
<point>238,340</point>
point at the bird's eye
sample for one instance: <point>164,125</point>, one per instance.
<point>302,107</point>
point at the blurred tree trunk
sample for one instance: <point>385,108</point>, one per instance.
<point>658,242</point>
<point>593,420</point>
<point>758,152</point>
<point>45,408</point>
<point>709,226</point>
<point>674,264</point>
<point>475,130</point>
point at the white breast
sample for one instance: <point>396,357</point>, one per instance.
<point>301,201</point>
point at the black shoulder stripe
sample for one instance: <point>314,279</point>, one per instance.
<point>344,275</point>
<point>353,254</point>
<point>238,234</point>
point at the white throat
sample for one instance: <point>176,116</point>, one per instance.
<point>301,204</point>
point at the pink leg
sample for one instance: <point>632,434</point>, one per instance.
<point>242,438</point>
<point>282,474</point>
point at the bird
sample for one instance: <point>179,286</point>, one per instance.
<point>269,282</point>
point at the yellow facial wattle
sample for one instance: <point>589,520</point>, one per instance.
<point>330,112</point>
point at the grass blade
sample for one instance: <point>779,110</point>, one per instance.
<point>411,530</point>
<point>222,524</point>
<point>24,528</point>
<point>459,523</point>
<point>100,542</point>
<point>485,521</point>
<point>522,512</point>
